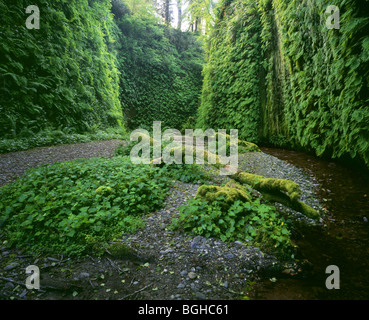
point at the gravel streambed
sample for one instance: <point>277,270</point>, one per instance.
<point>162,263</point>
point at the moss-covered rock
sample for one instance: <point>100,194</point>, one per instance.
<point>120,250</point>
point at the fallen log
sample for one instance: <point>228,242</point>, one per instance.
<point>278,190</point>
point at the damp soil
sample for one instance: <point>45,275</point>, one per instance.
<point>340,240</point>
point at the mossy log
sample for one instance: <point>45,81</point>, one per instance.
<point>278,190</point>
<point>209,157</point>
<point>144,137</point>
<point>231,192</point>
<point>243,145</point>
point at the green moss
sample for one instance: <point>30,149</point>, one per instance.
<point>120,250</point>
<point>278,190</point>
<point>231,193</point>
<point>209,157</point>
<point>246,146</point>
<point>104,190</point>
<point>243,145</point>
<point>274,71</point>
<point>291,188</point>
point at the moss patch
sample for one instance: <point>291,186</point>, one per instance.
<point>290,188</point>
<point>231,192</point>
<point>278,190</point>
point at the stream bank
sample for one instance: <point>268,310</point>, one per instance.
<point>154,263</point>
<point>342,239</point>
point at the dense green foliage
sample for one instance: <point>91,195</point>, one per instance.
<point>61,75</point>
<point>274,71</point>
<point>252,222</point>
<point>231,97</point>
<point>71,206</point>
<point>160,73</point>
<point>278,74</point>
<point>52,137</point>
<point>91,62</point>
<point>189,173</point>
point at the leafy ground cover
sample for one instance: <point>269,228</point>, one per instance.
<point>254,222</point>
<point>52,137</point>
<point>106,229</point>
<point>72,206</point>
<point>77,207</point>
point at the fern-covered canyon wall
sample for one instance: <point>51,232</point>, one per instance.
<point>277,73</point>
<point>94,64</point>
<point>61,75</point>
<point>160,72</point>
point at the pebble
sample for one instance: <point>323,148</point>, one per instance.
<point>11,266</point>
<point>200,296</point>
<point>8,285</point>
<point>229,255</point>
<point>217,259</point>
<point>82,276</point>
<point>24,292</point>
<point>166,251</point>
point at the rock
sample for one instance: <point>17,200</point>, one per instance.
<point>11,266</point>
<point>184,273</point>
<point>192,275</point>
<point>365,219</point>
<point>197,242</point>
<point>53,259</point>
<point>239,243</point>
<point>181,286</point>
<point>24,292</point>
<point>166,251</point>
<point>9,285</point>
<point>82,276</point>
<point>229,255</point>
<point>200,296</point>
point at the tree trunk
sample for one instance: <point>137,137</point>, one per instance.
<point>179,5</point>
<point>167,12</point>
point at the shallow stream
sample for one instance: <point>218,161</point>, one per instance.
<point>342,240</point>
